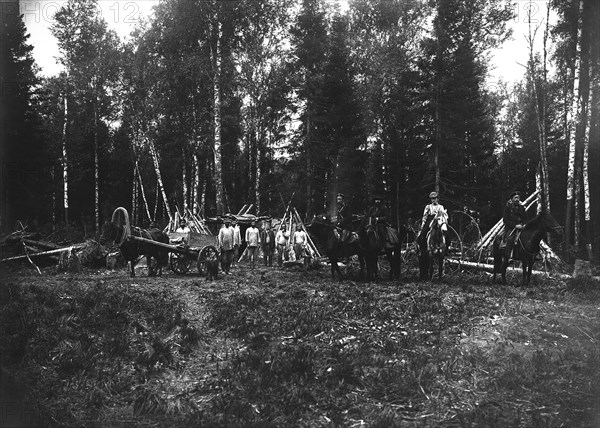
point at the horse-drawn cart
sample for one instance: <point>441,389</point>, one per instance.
<point>190,247</point>
<point>185,249</point>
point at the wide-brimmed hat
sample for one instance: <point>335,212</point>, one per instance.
<point>515,193</point>
<point>182,221</point>
<point>340,195</point>
<point>433,195</point>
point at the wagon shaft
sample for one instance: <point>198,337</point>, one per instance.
<point>172,248</point>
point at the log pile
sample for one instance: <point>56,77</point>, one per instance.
<point>28,246</point>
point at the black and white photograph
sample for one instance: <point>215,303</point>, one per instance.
<point>300,213</point>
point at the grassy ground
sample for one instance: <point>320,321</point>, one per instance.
<point>287,347</point>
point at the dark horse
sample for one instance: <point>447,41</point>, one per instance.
<point>376,240</point>
<point>131,249</point>
<point>525,247</point>
<point>338,243</point>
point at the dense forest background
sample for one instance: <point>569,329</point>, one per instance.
<point>216,104</point>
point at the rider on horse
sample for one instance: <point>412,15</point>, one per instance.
<point>514,218</point>
<point>433,209</point>
<point>344,216</point>
<point>377,216</point>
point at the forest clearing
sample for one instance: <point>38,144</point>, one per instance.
<point>291,347</point>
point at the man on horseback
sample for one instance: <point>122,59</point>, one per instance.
<point>432,210</point>
<point>514,219</point>
<point>343,211</point>
<point>377,216</point>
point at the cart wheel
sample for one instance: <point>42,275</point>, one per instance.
<point>454,256</point>
<point>180,263</point>
<point>206,253</point>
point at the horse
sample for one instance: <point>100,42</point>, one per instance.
<point>525,247</point>
<point>436,244</point>
<point>338,243</point>
<point>374,244</point>
<point>131,249</point>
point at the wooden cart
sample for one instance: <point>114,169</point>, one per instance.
<point>187,248</point>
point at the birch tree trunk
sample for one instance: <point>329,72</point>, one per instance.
<point>586,189</point>
<point>217,117</point>
<point>258,169</point>
<point>142,191</point>
<point>544,140</point>
<point>539,100</point>
<point>573,113</point>
<point>195,183</point>
<point>438,138</point>
<point>134,197</point>
<point>65,163</point>
<point>154,155</point>
<point>184,181</point>
<point>96,170</point>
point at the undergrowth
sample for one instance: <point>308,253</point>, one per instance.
<point>279,348</point>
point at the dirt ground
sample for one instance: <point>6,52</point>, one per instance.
<point>292,347</point>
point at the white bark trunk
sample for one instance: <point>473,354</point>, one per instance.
<point>217,116</point>
<point>96,170</point>
<point>65,164</point>
<point>159,177</point>
<point>184,180</point>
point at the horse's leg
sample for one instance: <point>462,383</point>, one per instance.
<point>132,268</point>
<point>440,266</point>
<point>527,267</point>
<point>529,271</point>
<point>361,262</point>
<point>430,268</point>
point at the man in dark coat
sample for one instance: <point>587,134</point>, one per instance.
<point>343,211</point>
<point>514,218</point>
<point>378,215</point>
<point>267,242</point>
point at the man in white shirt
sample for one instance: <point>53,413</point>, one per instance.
<point>432,209</point>
<point>300,240</point>
<point>237,241</point>
<point>281,239</point>
<point>252,242</point>
<point>225,241</point>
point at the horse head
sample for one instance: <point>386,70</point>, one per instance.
<point>435,237</point>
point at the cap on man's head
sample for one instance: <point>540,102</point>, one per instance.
<point>340,195</point>
<point>182,221</point>
<point>433,195</point>
<point>515,193</point>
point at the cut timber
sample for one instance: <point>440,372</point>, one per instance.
<point>45,253</point>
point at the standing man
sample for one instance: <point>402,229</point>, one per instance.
<point>225,242</point>
<point>183,227</point>
<point>267,239</point>
<point>281,239</point>
<point>253,242</point>
<point>300,240</point>
<point>514,217</point>
<point>237,241</point>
